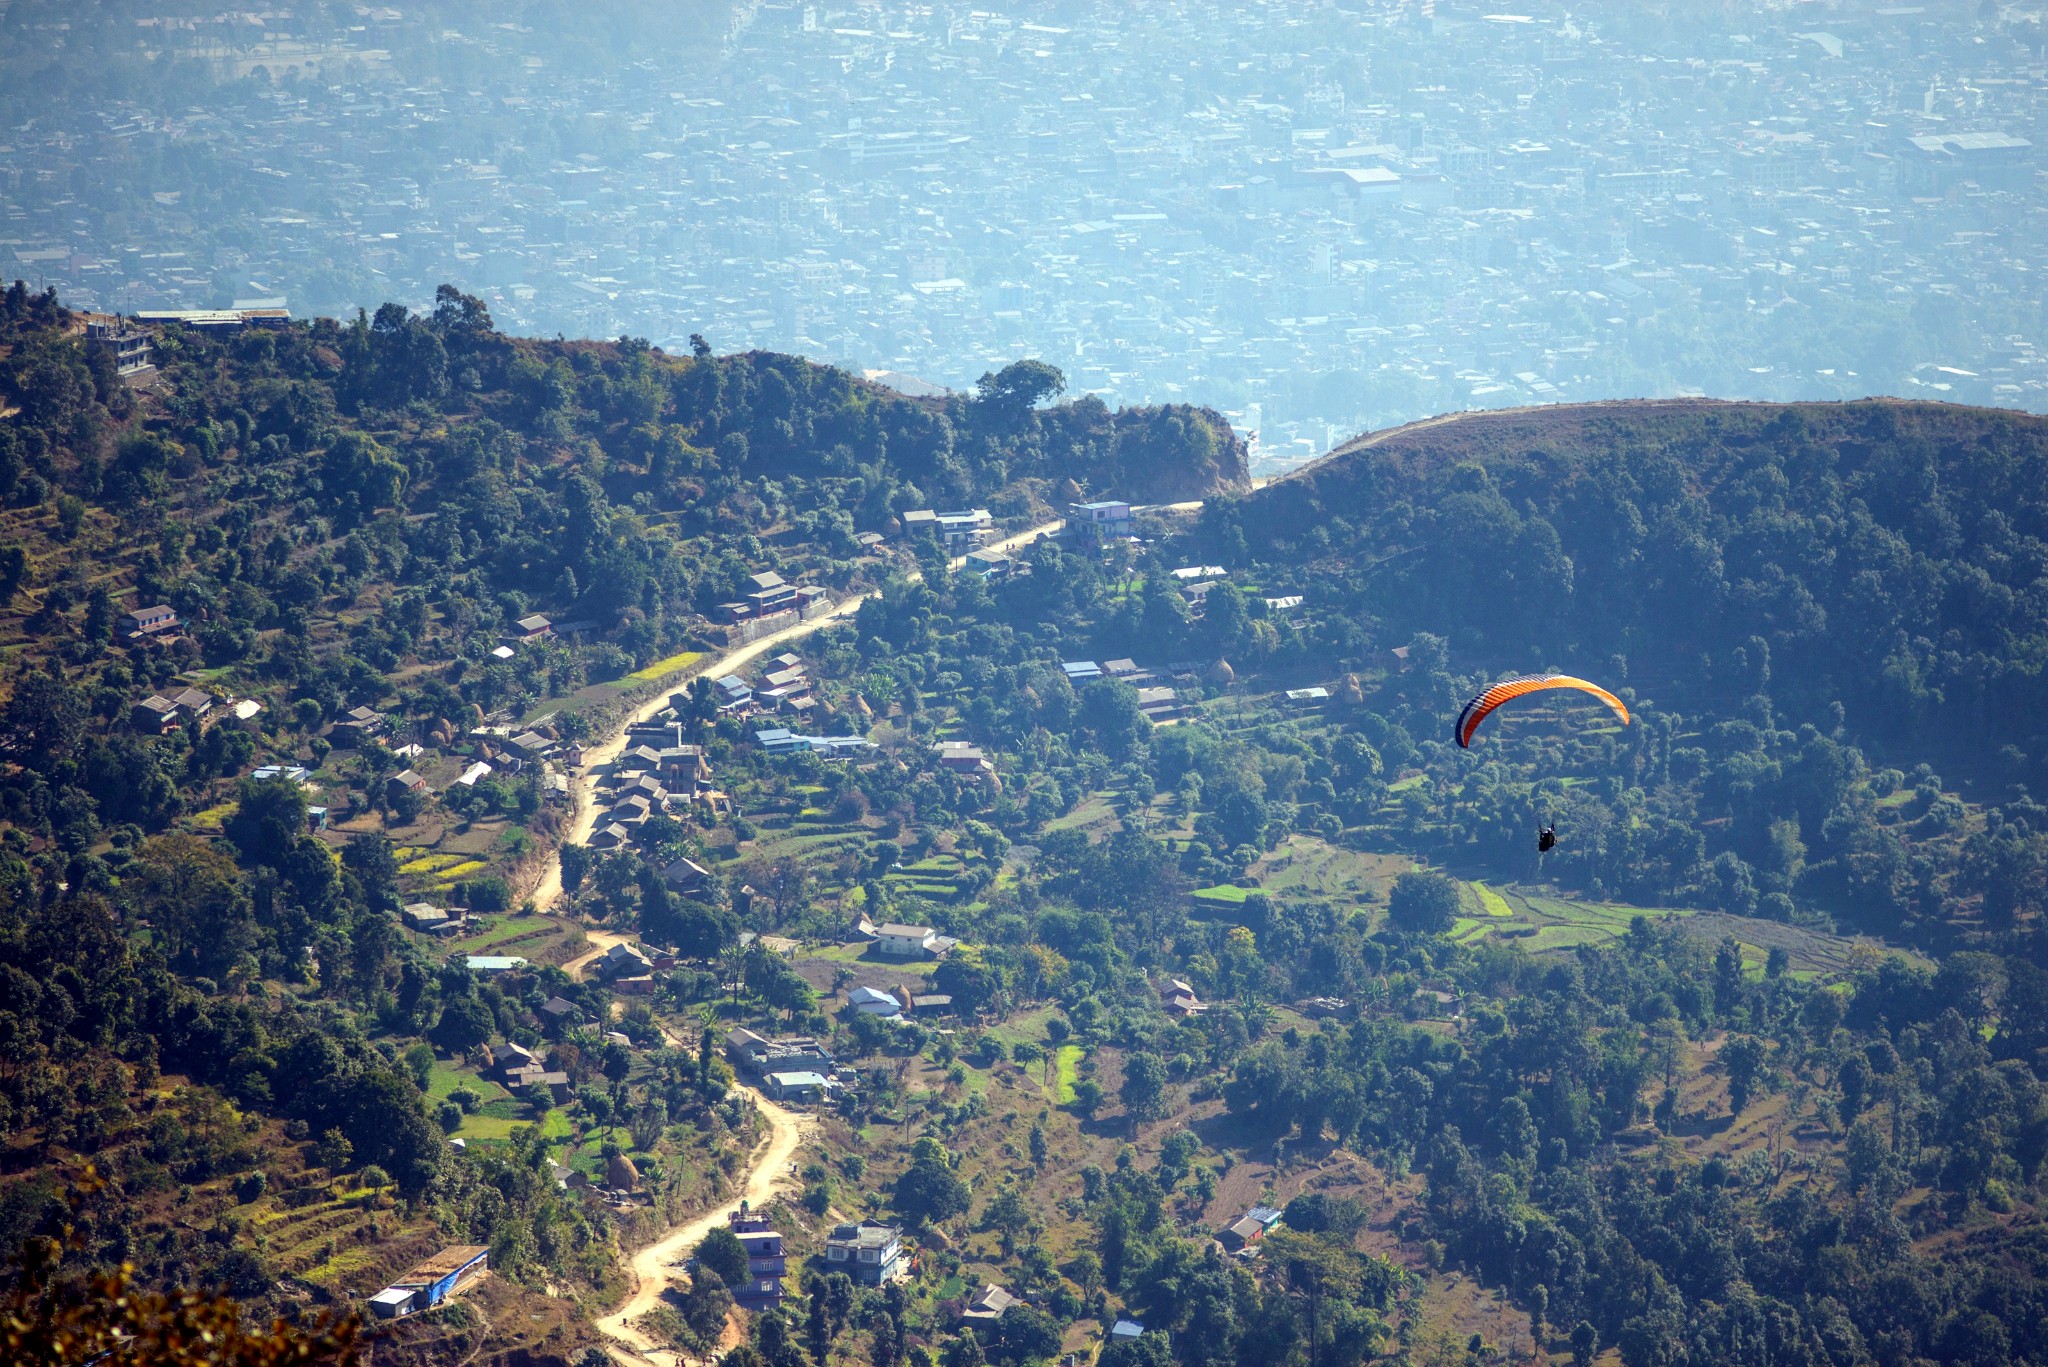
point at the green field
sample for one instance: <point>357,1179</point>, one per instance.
<point>1068,1064</point>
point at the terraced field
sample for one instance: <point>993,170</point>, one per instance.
<point>1542,922</point>
<point>1310,865</point>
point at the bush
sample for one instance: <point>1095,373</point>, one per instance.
<point>250,1187</point>
<point>489,894</point>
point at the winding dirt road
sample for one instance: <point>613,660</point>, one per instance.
<point>773,1167</point>
<point>774,1164</point>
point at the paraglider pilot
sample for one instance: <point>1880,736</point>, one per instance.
<point>1546,840</point>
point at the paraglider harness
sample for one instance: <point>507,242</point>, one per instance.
<point>1546,840</point>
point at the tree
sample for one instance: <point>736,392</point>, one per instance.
<point>190,892</point>
<point>1028,1334</point>
<point>929,1191</point>
<point>1008,395</point>
<point>465,1023</point>
<point>707,1303</point>
<point>267,821</point>
<point>45,718</point>
<point>575,864</point>
<point>1585,1342</point>
<point>1008,1215</point>
<point>1423,902</point>
<point>722,1252</point>
<point>1144,1089</point>
<point>1742,1057</point>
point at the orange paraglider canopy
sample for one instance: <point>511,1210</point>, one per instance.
<point>1481,707</point>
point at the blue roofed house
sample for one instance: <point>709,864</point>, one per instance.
<point>432,1282</point>
<point>733,692</point>
<point>780,740</point>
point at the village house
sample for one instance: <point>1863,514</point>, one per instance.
<point>1098,521</point>
<point>194,702</point>
<point>510,1058</point>
<point>530,745</point>
<point>988,1304</point>
<point>1180,1000</point>
<point>1127,671</point>
<point>755,1055</point>
<point>966,528</point>
<point>963,757</point>
<point>1248,1228</point>
<point>428,919</point>
<point>766,1259</point>
<point>1160,704</point>
<point>684,767</point>
<point>687,877</point>
<point>403,782</point>
<point>904,942</point>
<point>873,1001</point>
<point>559,1013</point>
<point>532,628</point>
<point>872,1254</point>
<point>990,564</point>
<point>155,715</point>
<point>622,961</point>
<point>560,1089</point>
<point>150,621</point>
<point>432,1281</point>
<point>801,1087</point>
<point>732,693</point>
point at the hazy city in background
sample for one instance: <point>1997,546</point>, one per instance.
<point>1318,218</point>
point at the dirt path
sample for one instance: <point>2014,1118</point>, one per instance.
<point>774,1163</point>
<point>774,1166</point>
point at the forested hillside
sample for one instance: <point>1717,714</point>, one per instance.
<point>1818,612</point>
